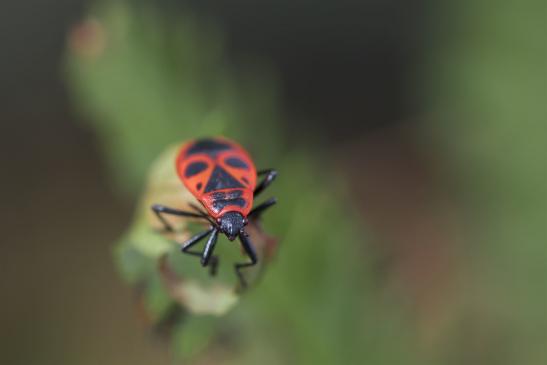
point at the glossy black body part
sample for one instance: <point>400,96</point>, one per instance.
<point>250,251</point>
<point>271,174</point>
<point>205,256</point>
<point>259,209</point>
<point>232,224</point>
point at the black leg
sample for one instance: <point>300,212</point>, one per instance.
<point>194,240</point>
<point>249,250</point>
<point>259,209</point>
<point>186,246</point>
<point>270,176</point>
<point>159,209</point>
<point>209,248</point>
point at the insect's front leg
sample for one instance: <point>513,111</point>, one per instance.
<point>250,251</point>
<point>271,174</point>
<point>209,248</point>
<point>205,256</point>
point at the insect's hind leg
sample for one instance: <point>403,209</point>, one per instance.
<point>271,174</point>
<point>159,210</point>
<point>250,251</point>
<point>205,256</point>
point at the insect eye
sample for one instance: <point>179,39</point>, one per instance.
<point>236,162</point>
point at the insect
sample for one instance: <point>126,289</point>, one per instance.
<point>223,178</point>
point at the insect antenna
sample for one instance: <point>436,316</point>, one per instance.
<point>203,214</point>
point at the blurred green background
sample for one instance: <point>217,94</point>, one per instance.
<point>410,140</point>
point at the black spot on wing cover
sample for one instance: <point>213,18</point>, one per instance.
<point>208,146</point>
<point>226,199</point>
<point>221,179</point>
<point>220,204</point>
<point>223,195</point>
<point>195,168</point>
<point>237,163</point>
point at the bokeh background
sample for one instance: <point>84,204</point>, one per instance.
<point>410,139</point>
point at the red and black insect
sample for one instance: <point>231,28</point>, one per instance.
<point>223,178</point>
